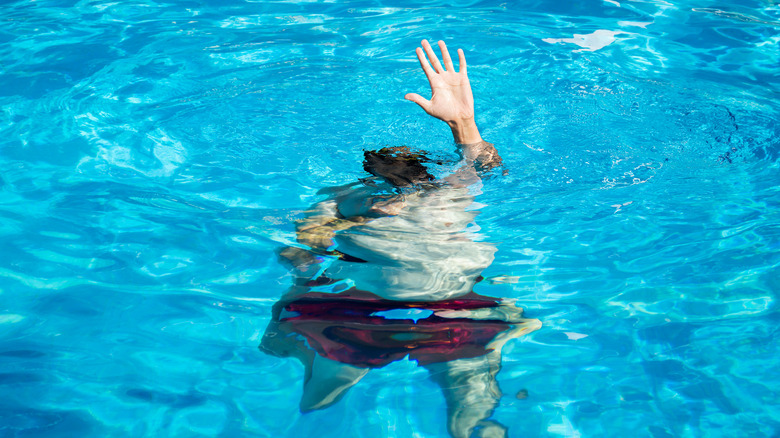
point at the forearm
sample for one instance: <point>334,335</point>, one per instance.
<point>320,236</point>
<point>465,131</point>
<point>484,154</point>
<point>471,146</point>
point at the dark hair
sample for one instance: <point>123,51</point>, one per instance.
<point>398,165</point>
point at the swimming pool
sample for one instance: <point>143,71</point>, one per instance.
<point>154,156</point>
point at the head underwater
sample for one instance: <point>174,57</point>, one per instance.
<point>397,165</point>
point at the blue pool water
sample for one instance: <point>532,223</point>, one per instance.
<point>155,155</point>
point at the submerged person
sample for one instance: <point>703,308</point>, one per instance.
<point>388,267</point>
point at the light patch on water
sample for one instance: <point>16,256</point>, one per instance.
<point>589,42</point>
<point>643,25</point>
<point>736,16</point>
<point>255,55</point>
<point>120,151</point>
<point>242,277</point>
<point>234,202</point>
<point>168,151</point>
<point>79,262</point>
<point>272,20</point>
<point>169,264</point>
<point>244,240</point>
<point>529,257</point>
<point>58,235</point>
<point>536,148</point>
<point>313,19</point>
<point>504,279</point>
<point>575,336</point>
<point>617,207</point>
<point>206,420</point>
<point>10,318</point>
<point>563,428</point>
<point>43,283</point>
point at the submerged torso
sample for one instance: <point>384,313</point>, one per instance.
<point>427,251</point>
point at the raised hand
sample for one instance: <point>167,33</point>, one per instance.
<point>451,100</point>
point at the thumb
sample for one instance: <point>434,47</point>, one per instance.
<point>419,100</point>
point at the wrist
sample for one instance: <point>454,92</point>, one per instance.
<point>464,131</point>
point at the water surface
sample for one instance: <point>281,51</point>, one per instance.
<point>154,156</point>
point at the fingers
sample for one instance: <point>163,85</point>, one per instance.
<point>432,56</point>
<point>461,61</point>
<point>419,100</point>
<point>434,66</point>
<point>445,56</point>
<point>424,64</point>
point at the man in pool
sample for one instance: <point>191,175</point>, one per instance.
<point>407,226</point>
<point>386,270</point>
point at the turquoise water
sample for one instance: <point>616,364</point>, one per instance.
<point>155,155</point>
